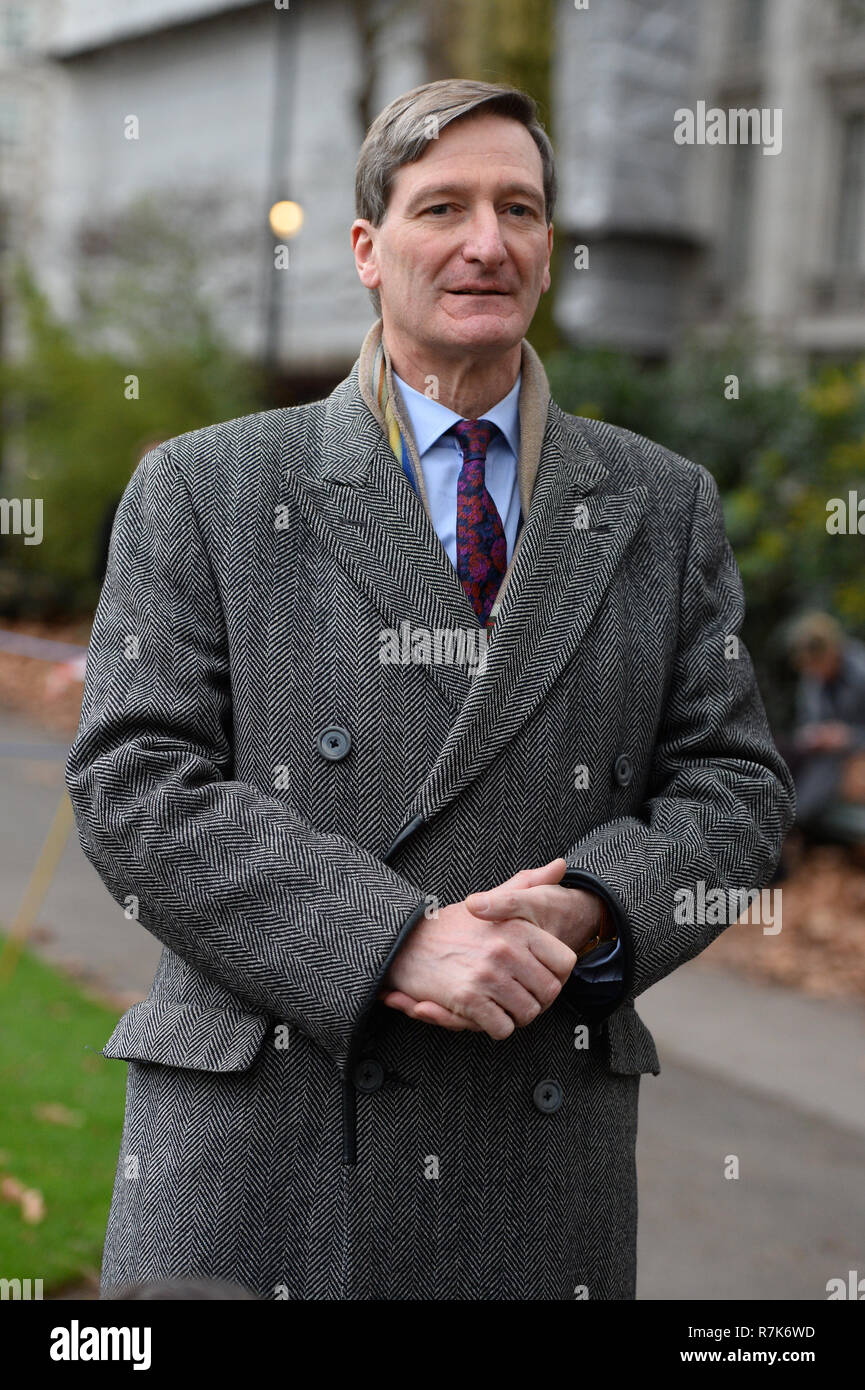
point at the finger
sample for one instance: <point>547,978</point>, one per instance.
<point>546,905</point>
<point>427,1011</point>
<point>500,904</point>
<point>523,1005</point>
<point>536,903</point>
<point>490,1018</point>
<point>537,980</point>
<point>546,873</point>
<point>529,878</point>
<point>552,952</point>
<point>395,999</point>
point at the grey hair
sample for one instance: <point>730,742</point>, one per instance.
<point>813,632</point>
<point>402,131</point>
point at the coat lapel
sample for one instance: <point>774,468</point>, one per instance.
<point>357,501</point>
<point>574,540</point>
<point>362,508</point>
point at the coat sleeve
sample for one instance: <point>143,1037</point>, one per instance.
<point>720,798</point>
<point>292,921</point>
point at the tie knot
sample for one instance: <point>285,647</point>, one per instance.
<point>474,437</point>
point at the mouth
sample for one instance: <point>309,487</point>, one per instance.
<point>482,293</point>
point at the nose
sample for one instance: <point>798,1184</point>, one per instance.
<point>484,241</point>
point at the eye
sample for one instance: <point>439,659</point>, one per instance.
<point>521,208</point>
<point>439,207</point>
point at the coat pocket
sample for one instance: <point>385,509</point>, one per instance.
<point>179,1034</point>
<point>631,1045</point>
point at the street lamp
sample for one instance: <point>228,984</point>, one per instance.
<point>286,219</point>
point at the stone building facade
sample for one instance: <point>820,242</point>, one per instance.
<point>241,102</point>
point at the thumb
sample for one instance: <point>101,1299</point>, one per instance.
<point>547,873</point>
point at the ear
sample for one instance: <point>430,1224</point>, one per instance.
<point>363,236</point>
<point>547,281</point>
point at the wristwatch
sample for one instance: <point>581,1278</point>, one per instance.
<point>606,933</point>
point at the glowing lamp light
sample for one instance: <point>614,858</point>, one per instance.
<point>286,219</point>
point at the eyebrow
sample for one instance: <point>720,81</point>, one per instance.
<point>439,192</point>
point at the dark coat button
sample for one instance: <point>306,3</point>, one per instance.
<point>623,770</point>
<point>548,1096</point>
<point>368,1074</point>
<point>334,742</point>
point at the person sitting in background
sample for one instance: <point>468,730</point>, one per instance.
<point>827,755</point>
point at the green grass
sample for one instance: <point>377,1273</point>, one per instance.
<point>47,1030</point>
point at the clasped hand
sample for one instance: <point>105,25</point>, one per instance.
<point>497,960</point>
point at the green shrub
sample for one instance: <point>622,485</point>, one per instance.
<point>779,453</point>
<point>74,432</point>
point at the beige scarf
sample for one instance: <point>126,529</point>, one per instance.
<point>381,393</point>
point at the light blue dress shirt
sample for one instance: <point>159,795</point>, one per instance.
<point>441,460</point>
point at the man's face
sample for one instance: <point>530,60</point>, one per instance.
<point>463,254</point>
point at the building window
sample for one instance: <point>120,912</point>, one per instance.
<point>15,26</point>
<point>848,231</point>
<point>10,125</point>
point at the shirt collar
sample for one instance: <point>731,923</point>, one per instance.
<point>429,419</point>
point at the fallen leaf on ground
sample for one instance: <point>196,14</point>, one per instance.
<point>56,1114</point>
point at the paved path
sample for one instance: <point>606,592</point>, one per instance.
<point>781,1088</point>
<point>775,1079</point>
<point>80,925</point>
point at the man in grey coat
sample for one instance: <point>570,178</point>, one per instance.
<point>406,715</point>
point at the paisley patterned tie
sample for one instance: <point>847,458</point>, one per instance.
<point>482,552</point>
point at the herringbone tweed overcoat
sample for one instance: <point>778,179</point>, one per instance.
<point>280,806</point>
